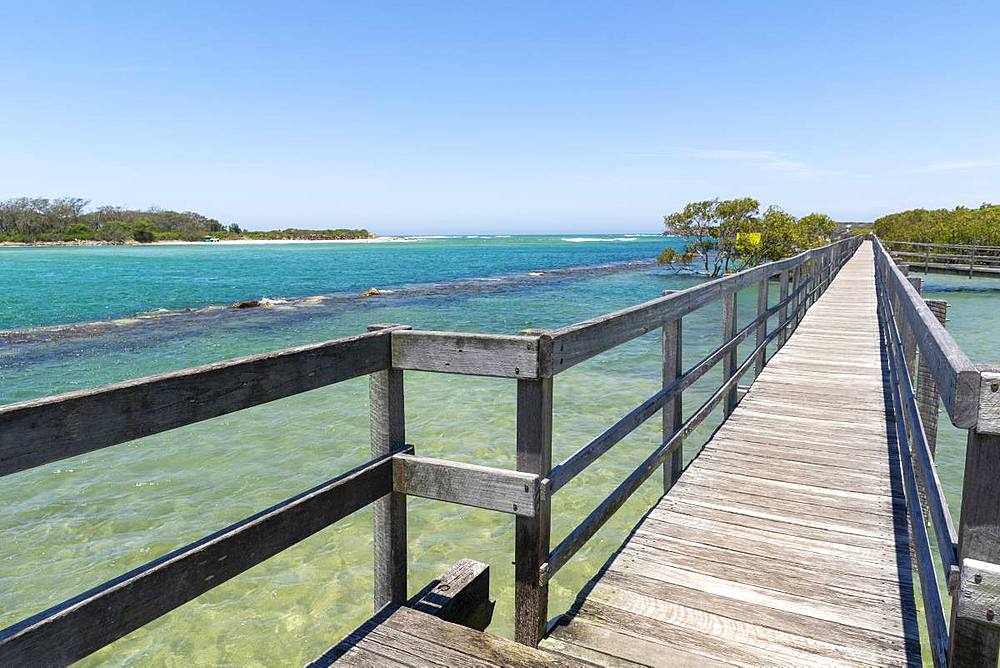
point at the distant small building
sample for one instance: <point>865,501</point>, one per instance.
<point>210,240</point>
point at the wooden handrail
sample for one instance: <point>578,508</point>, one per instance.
<point>607,508</point>
<point>581,341</point>
<point>41,431</point>
<point>956,376</point>
<point>585,456</point>
<point>46,430</point>
<point>924,244</point>
<point>907,430</point>
<point>75,628</point>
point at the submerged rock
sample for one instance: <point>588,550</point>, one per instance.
<point>252,303</point>
<point>371,292</point>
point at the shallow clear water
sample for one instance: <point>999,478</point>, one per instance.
<point>71,525</point>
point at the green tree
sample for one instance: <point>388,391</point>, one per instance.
<point>724,235</point>
<point>143,232</point>
<point>710,228</point>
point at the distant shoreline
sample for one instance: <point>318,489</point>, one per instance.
<point>178,242</point>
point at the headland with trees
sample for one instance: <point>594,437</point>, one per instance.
<point>71,220</point>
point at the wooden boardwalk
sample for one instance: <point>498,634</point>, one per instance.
<point>791,539</point>
<point>785,542</point>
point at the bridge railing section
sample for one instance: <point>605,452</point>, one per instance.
<point>953,258</point>
<point>38,432</point>
<point>970,395</point>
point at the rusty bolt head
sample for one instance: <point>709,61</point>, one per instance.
<point>994,387</point>
<point>515,506</point>
<point>989,614</point>
<point>979,578</point>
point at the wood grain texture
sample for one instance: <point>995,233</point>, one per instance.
<point>973,643</point>
<point>75,628</point>
<point>408,638</point>
<point>40,431</point>
<point>672,415</point>
<point>785,542</point>
<point>461,595</point>
<point>496,355</point>
<point>467,484</point>
<point>387,427</point>
<point>531,534</point>
<point>956,376</point>
<point>978,597</point>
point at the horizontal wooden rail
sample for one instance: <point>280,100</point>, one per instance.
<point>75,628</point>
<point>603,512</point>
<point>467,484</point>
<point>575,343</point>
<point>937,627</point>
<point>956,376</point>
<point>960,260</point>
<point>909,416</point>
<point>46,430</point>
<point>473,354</point>
<point>923,244</point>
<point>588,454</point>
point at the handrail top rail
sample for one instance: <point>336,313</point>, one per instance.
<point>933,244</point>
<point>957,378</point>
<point>580,341</point>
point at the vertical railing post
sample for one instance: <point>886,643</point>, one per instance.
<point>973,644</point>
<point>928,398</point>
<point>673,368</point>
<point>762,288</point>
<point>972,260</point>
<point>799,297</point>
<point>388,433</point>
<point>783,312</point>
<point>729,361</point>
<point>927,259</point>
<point>531,541</point>
<point>908,335</point>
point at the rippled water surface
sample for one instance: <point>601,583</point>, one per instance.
<point>73,524</point>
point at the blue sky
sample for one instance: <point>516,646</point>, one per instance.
<point>500,117</point>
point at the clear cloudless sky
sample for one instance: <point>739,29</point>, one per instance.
<point>442,117</point>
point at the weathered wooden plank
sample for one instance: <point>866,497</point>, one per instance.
<point>531,534</point>
<point>467,484</point>
<point>973,643</point>
<point>978,596</point>
<point>672,415</point>
<point>75,628</point>
<point>40,431</point>
<point>956,377</point>
<point>762,294</point>
<point>729,361</point>
<point>387,432</point>
<point>460,596</point>
<point>496,355</point>
<point>989,403</point>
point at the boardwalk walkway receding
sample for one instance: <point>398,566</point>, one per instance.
<point>785,541</point>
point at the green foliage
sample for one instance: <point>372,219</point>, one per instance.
<point>32,220</point>
<point>143,232</point>
<point>974,227</point>
<point>315,235</point>
<point>725,235</point>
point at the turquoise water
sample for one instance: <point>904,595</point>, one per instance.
<point>93,517</point>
